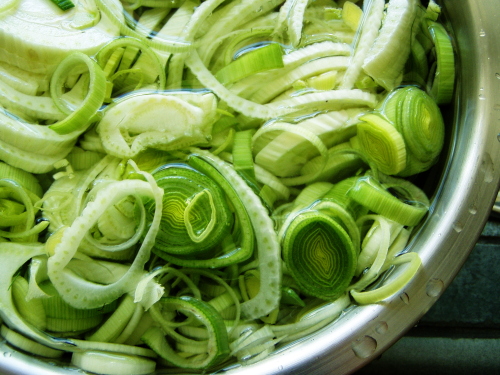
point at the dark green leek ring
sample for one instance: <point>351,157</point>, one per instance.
<point>231,239</point>
<point>319,254</point>
<point>195,215</point>
<point>418,118</point>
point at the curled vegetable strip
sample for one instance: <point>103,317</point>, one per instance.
<point>84,294</point>
<point>17,138</point>
<point>19,254</point>
<point>213,350</point>
<point>316,319</point>
<point>383,247</point>
<point>113,219</point>
<point>79,119</point>
<point>246,107</point>
<point>375,240</point>
<point>268,249</point>
<point>17,211</point>
<point>412,261</point>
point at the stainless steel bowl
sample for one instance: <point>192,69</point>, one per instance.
<point>466,188</point>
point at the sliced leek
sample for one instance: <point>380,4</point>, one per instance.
<point>257,60</point>
<point>418,118</point>
<point>382,143</point>
<point>79,118</point>
<point>319,254</point>
<point>443,82</point>
<point>216,347</point>
<point>371,194</point>
<point>64,4</point>
<point>186,184</point>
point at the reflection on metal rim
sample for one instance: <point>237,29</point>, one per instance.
<point>465,194</point>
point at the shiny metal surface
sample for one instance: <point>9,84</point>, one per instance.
<point>465,194</point>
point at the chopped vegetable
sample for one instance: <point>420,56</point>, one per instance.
<point>191,184</point>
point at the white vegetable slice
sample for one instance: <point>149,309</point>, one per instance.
<point>161,121</point>
<point>28,160</point>
<point>386,58</point>
<point>38,35</point>
<point>372,19</point>
<point>23,81</point>
<point>38,107</point>
<point>270,89</point>
<point>246,87</point>
<point>324,100</point>
<point>107,363</point>
<point>288,152</point>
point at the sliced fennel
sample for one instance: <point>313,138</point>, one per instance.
<point>390,50</point>
<point>28,34</point>
<point>186,184</point>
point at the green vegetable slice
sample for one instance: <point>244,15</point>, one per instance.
<point>381,142</point>
<point>391,48</point>
<point>319,254</point>
<point>64,4</point>
<point>28,345</point>
<point>215,349</point>
<point>419,120</point>
<point>255,61</point>
<point>393,286</point>
<point>207,178</point>
<point>192,205</point>
<point>371,194</point>
<point>443,81</point>
<point>78,119</point>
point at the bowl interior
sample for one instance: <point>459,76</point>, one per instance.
<point>463,186</point>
